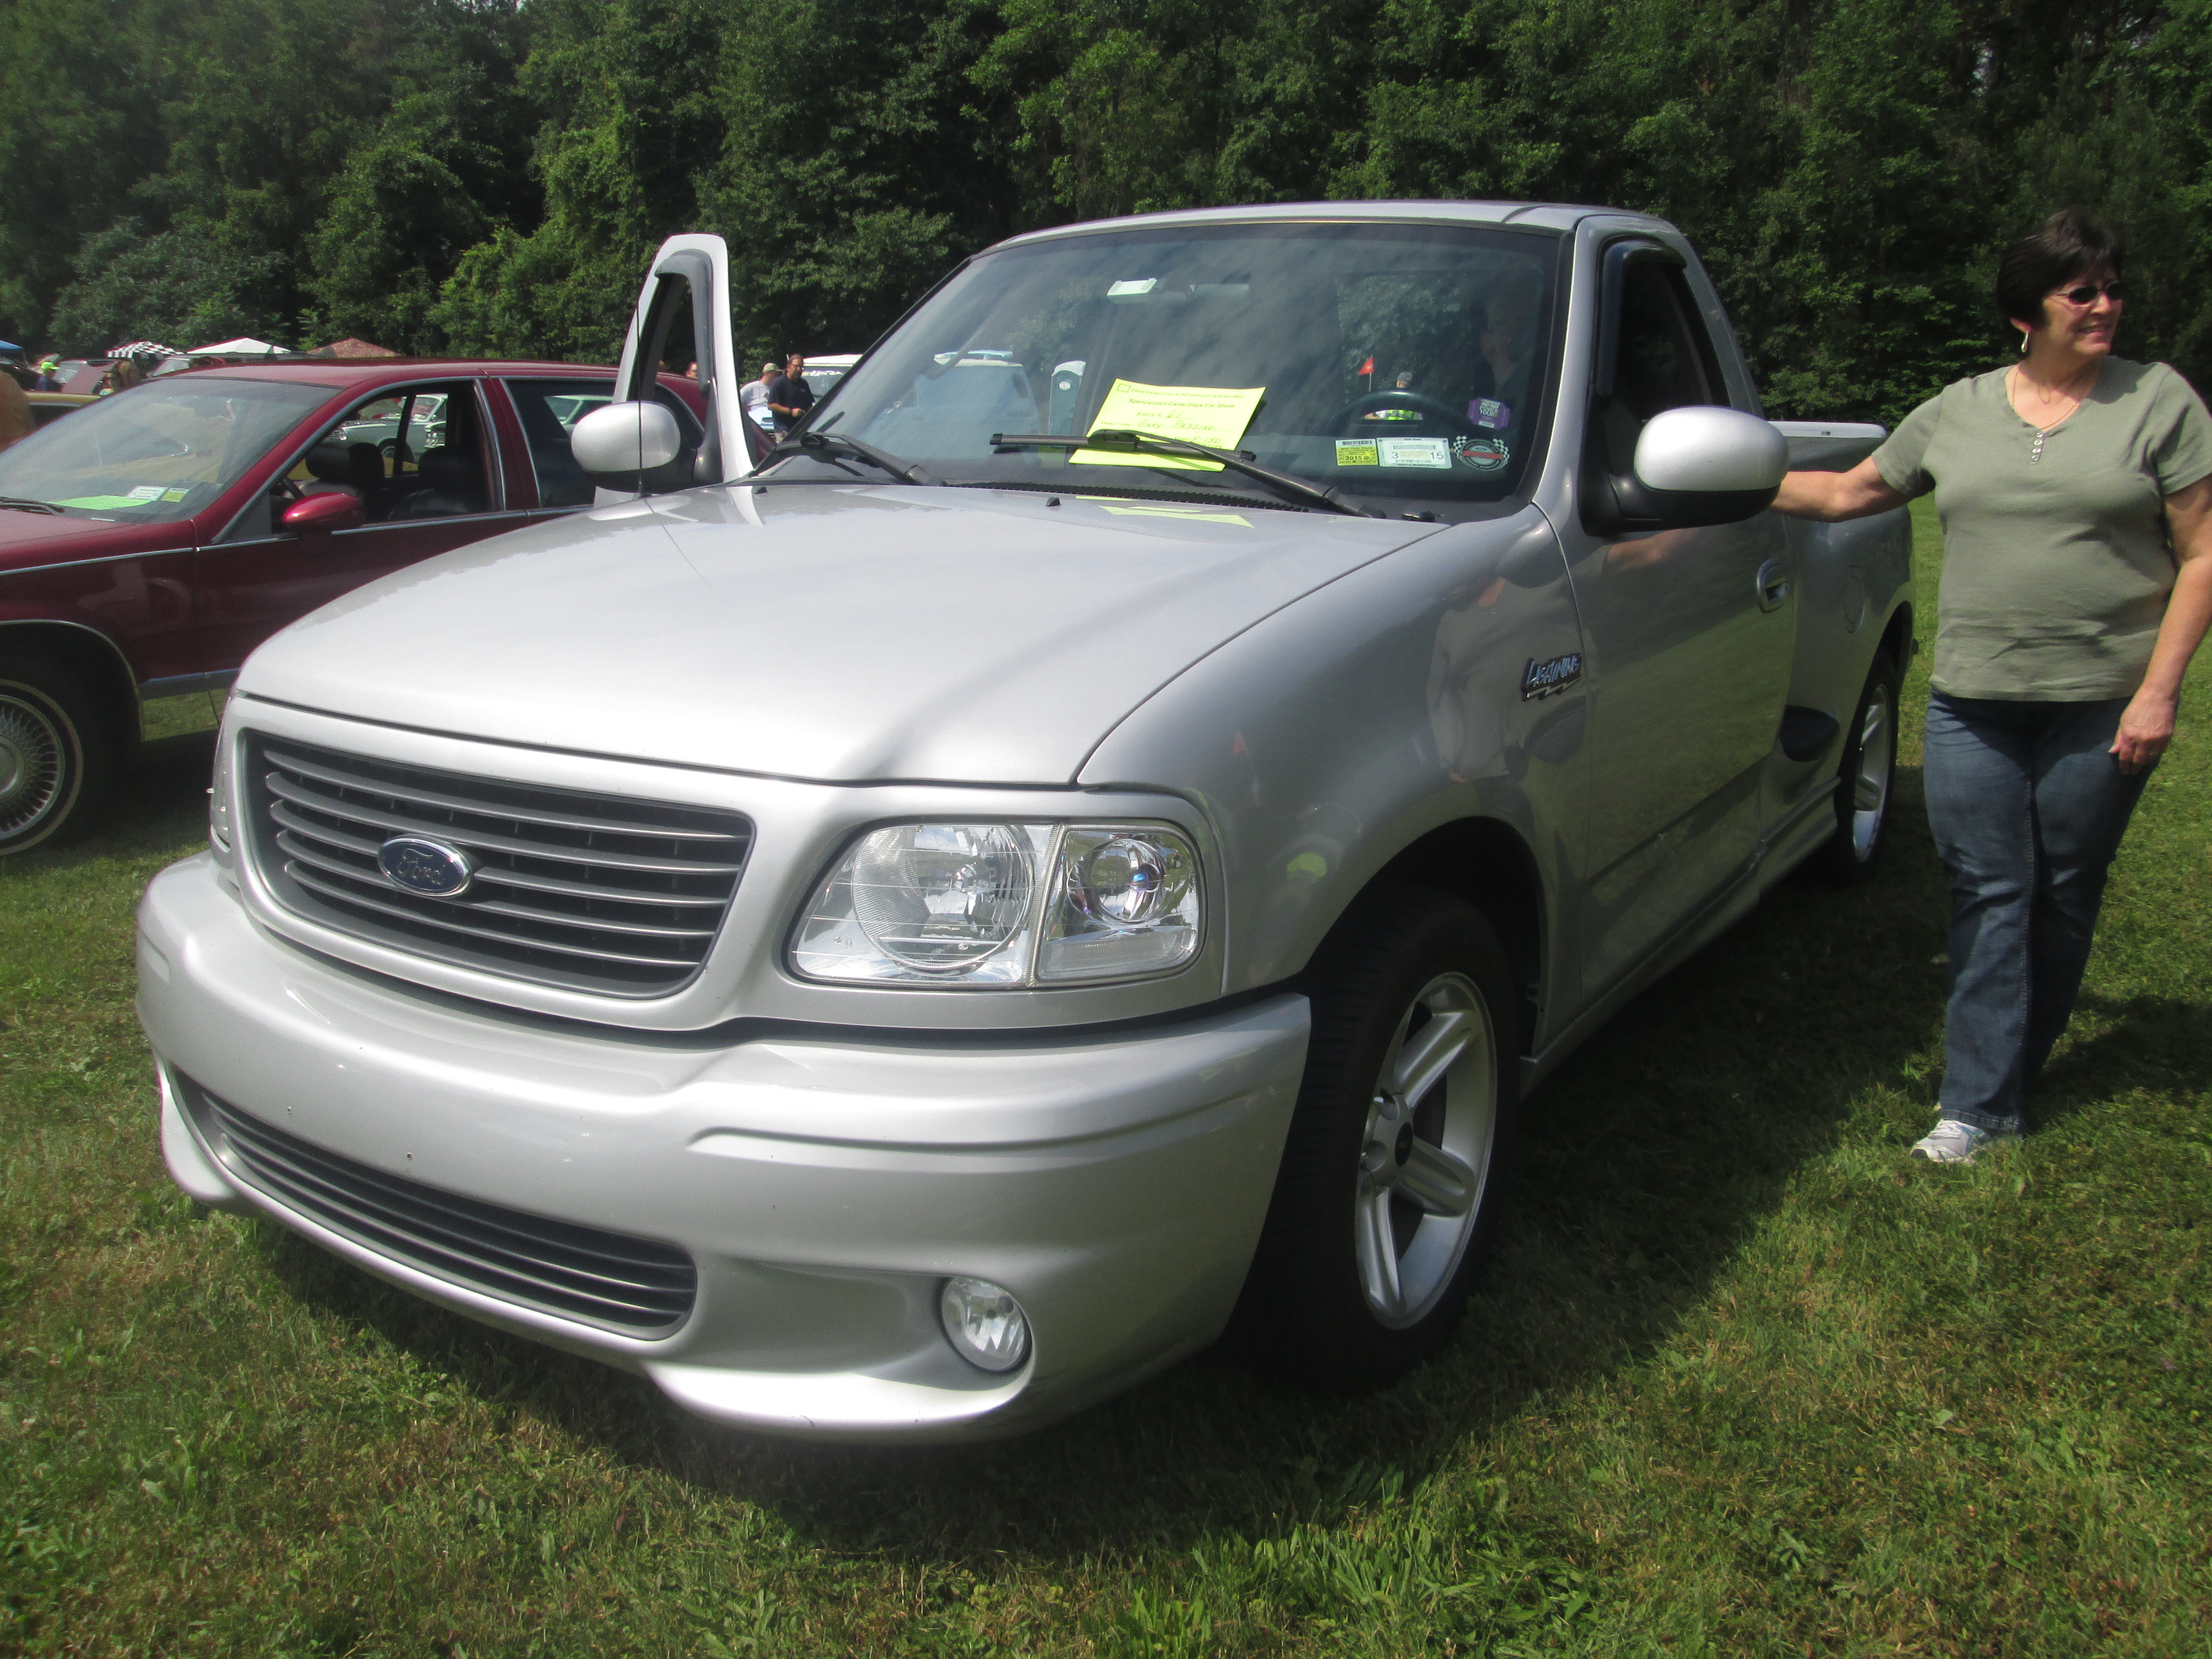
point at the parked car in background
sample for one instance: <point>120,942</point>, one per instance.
<point>154,538</point>
<point>380,424</point>
<point>50,406</point>
<point>824,372</point>
<point>1094,841</point>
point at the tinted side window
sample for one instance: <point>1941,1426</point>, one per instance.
<point>1663,363</point>
<point>550,410</point>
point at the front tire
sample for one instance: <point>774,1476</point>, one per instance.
<point>1866,779</point>
<point>54,758</point>
<point>1388,1190</point>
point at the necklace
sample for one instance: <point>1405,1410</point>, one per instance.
<point>2046,395</point>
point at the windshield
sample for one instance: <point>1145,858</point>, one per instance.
<point>155,453</point>
<point>1401,365</point>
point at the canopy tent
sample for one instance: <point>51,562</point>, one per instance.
<point>243,346</point>
<point>9,346</point>
<point>142,349</point>
<point>352,348</point>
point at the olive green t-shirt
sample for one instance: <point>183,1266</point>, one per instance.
<point>2055,562</point>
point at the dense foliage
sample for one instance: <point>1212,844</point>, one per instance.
<point>489,175</point>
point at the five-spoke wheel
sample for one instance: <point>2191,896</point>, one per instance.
<point>1426,1150</point>
<point>1389,1174</point>
<point>1866,776</point>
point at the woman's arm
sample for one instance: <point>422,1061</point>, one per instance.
<point>2147,726</point>
<point>1835,495</point>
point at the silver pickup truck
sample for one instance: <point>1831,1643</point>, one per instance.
<point>1085,849</point>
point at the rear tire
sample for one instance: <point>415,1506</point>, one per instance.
<point>1866,780</point>
<point>1388,1189</point>
<point>55,755</point>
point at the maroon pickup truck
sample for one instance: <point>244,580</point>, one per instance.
<point>150,541</point>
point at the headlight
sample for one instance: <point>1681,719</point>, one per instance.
<point>1002,905</point>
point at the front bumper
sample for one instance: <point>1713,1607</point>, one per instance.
<point>823,1185</point>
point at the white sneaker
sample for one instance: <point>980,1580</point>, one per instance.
<point>1952,1142</point>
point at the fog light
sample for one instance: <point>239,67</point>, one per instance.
<point>985,1324</point>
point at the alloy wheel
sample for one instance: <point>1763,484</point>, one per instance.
<point>1877,750</point>
<point>1426,1154</point>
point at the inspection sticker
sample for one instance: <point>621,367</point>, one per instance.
<point>1482,453</point>
<point>1488,411</point>
<point>1357,452</point>
<point>146,493</point>
<point>1416,452</point>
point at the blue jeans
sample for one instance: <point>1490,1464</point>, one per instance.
<point>2028,809</point>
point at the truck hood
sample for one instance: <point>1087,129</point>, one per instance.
<point>843,633</point>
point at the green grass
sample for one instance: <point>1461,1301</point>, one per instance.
<point>1742,1379</point>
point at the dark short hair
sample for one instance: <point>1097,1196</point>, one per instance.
<point>2070,243</point>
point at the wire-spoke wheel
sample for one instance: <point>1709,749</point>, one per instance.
<point>1390,1173</point>
<point>49,755</point>
<point>1866,779</point>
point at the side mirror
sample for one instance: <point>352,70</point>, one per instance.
<point>317,519</point>
<point>1705,465</point>
<point>623,446</point>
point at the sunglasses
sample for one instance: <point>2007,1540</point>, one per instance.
<point>2086,293</point>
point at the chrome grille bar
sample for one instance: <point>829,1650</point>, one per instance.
<point>636,1286</point>
<point>585,891</point>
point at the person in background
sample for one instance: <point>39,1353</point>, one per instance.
<point>789,397</point>
<point>121,377</point>
<point>2076,491</point>
<point>50,373</point>
<point>752,396</point>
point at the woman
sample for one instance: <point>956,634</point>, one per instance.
<point>2076,491</point>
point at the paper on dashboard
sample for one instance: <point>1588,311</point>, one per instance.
<point>1210,415</point>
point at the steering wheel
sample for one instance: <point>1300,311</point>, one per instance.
<point>1434,412</point>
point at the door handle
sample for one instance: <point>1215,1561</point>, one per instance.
<point>1773,584</point>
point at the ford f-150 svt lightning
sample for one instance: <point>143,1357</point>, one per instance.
<point>1086,846</point>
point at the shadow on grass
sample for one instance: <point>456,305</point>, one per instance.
<point>1642,1166</point>
<point>2142,1042</point>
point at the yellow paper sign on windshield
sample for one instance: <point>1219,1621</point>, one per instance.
<point>1210,415</point>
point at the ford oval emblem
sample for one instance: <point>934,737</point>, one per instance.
<point>418,864</point>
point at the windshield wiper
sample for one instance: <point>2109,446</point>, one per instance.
<point>1141,443</point>
<point>859,452</point>
<point>25,504</point>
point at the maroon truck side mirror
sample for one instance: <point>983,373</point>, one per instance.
<point>315,519</point>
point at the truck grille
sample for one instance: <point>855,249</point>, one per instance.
<point>588,892</point>
<point>633,1285</point>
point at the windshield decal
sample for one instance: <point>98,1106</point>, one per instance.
<point>1488,411</point>
<point>1416,452</point>
<point>1213,416</point>
<point>1357,452</point>
<point>1483,453</point>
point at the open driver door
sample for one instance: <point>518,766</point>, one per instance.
<point>635,445</point>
